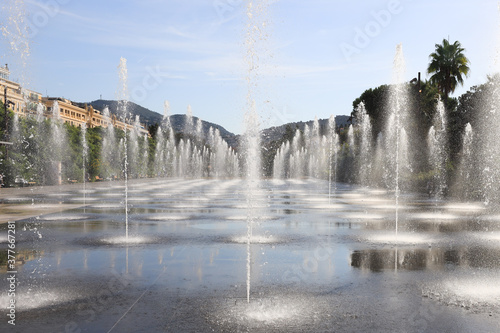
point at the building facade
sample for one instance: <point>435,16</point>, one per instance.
<point>12,94</point>
<point>76,114</point>
<point>26,102</point>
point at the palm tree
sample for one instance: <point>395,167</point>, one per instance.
<point>448,66</point>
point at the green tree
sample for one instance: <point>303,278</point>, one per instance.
<point>5,164</point>
<point>153,129</point>
<point>95,160</point>
<point>448,66</point>
<point>375,101</point>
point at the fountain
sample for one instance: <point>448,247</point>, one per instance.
<point>221,248</point>
<point>134,150</point>
<point>85,152</point>
<point>251,134</point>
<point>110,155</point>
<point>312,153</point>
<point>164,146</point>
<point>122,96</point>
<point>332,165</point>
<point>465,184</point>
<point>396,141</point>
<point>189,125</point>
<point>437,140</point>
<point>365,145</point>
<point>57,143</point>
<point>489,155</point>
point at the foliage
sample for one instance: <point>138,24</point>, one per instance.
<point>468,105</point>
<point>46,151</point>
<point>94,139</point>
<point>153,129</point>
<point>422,100</point>
<point>5,164</point>
<point>448,67</point>
<point>375,101</point>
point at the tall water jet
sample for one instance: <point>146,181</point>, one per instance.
<point>377,172</point>
<point>465,184</point>
<point>332,165</point>
<point>365,145</point>
<point>297,166</point>
<point>166,109</point>
<point>199,132</point>
<point>122,97</point>
<point>15,128</point>
<point>40,112</point>
<point>189,124</point>
<point>110,165</point>
<point>144,164</point>
<point>437,141</point>
<point>85,149</point>
<point>15,28</point>
<point>159,162</point>
<point>488,153</point>
<point>313,146</point>
<point>255,36</point>
<point>165,144</point>
<point>395,138</point>
<point>134,158</point>
<point>347,157</point>
<point>58,143</point>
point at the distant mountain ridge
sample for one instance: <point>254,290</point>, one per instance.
<point>178,121</point>
<point>149,118</point>
<point>275,133</point>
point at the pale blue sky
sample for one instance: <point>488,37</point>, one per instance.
<point>192,52</point>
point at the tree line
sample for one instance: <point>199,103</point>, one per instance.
<point>448,67</point>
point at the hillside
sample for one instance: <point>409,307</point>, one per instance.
<point>178,121</point>
<point>269,135</point>
<point>275,133</point>
<point>149,118</point>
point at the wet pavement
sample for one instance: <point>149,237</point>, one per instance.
<point>317,263</point>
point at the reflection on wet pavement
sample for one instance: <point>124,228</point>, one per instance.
<point>186,254</point>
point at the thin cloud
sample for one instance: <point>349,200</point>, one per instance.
<point>54,11</point>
